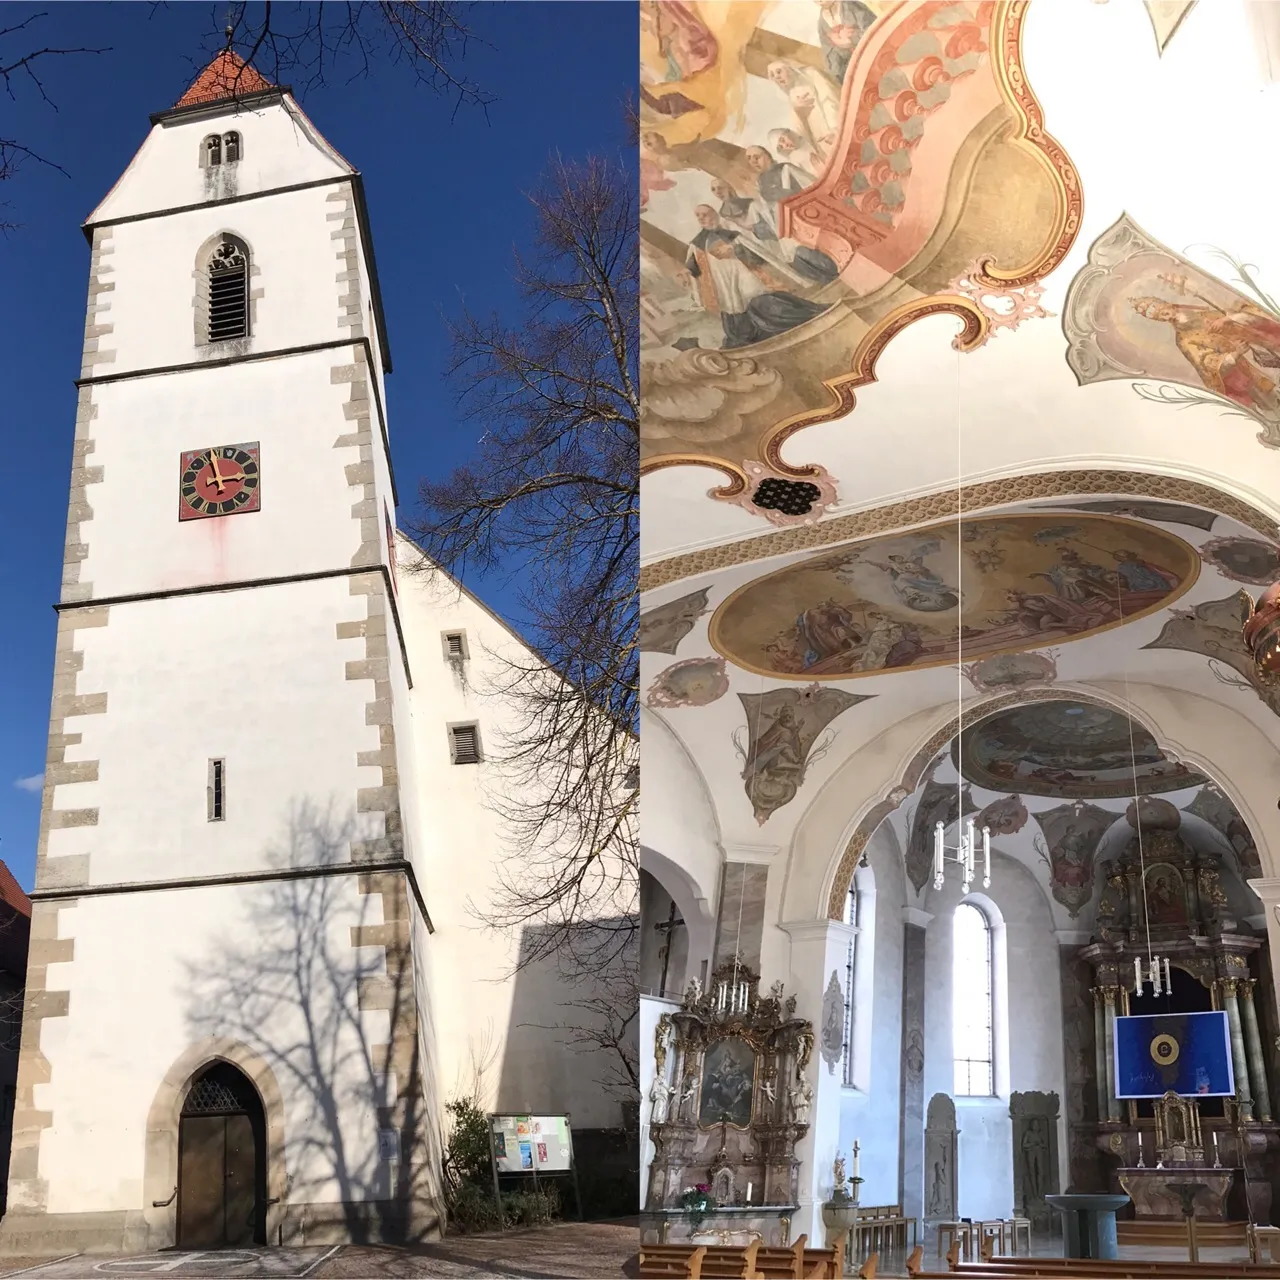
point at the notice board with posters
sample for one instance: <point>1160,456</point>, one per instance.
<point>531,1144</point>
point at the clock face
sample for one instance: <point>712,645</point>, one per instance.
<point>219,481</point>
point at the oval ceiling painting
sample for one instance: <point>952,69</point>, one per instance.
<point>1018,582</point>
<point>1076,750</point>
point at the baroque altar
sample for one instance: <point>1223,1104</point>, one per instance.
<point>1171,899</point>
<point>729,1103</point>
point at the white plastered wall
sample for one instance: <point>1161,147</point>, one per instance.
<point>495,1029</point>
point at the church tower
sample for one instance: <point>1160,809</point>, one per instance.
<point>222,1040</point>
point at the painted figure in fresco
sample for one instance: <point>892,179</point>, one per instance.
<point>841,25</point>
<point>712,156</point>
<point>815,106</point>
<point>916,585</point>
<point>825,630</point>
<point>778,745</point>
<point>1137,574</point>
<point>1227,349</point>
<point>1077,579</point>
<point>1072,864</point>
<point>790,148</point>
<point>732,281</point>
<point>685,44</point>
<point>776,179</point>
<point>1037,614</point>
<point>804,265</point>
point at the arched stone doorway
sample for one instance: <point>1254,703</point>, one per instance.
<point>222,1162</point>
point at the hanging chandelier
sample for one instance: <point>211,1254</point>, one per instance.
<point>1262,629</point>
<point>965,854</point>
<point>1153,976</point>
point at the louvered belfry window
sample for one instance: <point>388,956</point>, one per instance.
<point>231,147</point>
<point>228,292</point>
<point>466,744</point>
<point>213,150</point>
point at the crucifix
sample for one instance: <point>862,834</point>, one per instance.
<point>666,927</point>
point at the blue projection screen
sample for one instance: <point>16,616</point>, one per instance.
<point>1184,1053</point>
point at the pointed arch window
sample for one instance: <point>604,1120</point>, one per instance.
<point>973,1002</point>
<point>230,147</point>
<point>212,150</point>
<point>228,305</point>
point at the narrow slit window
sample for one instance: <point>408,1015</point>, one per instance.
<point>212,150</point>
<point>972,1003</point>
<point>230,147</point>
<point>850,917</point>
<point>217,790</point>
<point>229,292</point>
<point>465,742</point>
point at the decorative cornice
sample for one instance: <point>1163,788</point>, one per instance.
<point>977,497</point>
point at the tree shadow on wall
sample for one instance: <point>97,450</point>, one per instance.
<point>322,989</point>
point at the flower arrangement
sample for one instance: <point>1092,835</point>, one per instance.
<point>697,1201</point>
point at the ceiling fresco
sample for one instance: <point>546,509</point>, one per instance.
<point>888,604</point>
<point>1075,750</point>
<point>814,177</point>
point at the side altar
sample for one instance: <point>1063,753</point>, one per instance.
<point>729,1103</point>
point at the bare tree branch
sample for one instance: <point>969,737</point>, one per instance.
<point>311,44</point>
<point>22,66</point>
<point>552,495</point>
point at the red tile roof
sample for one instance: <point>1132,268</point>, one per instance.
<point>11,892</point>
<point>227,76</point>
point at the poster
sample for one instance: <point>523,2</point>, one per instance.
<point>532,1144</point>
<point>1182,1053</point>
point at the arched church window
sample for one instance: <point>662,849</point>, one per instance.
<point>212,150</point>
<point>230,147</point>
<point>850,917</point>
<point>228,290</point>
<point>972,1003</point>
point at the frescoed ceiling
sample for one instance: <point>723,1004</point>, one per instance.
<point>814,178</point>
<point>883,281</point>
<point>1074,750</point>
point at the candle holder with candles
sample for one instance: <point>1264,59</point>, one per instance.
<point>964,855</point>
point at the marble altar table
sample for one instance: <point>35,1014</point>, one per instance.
<point>725,1224</point>
<point>1088,1224</point>
<point>1155,1197</point>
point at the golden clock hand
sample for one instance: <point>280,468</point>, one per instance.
<point>216,478</point>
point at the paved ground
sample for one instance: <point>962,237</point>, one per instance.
<point>569,1249</point>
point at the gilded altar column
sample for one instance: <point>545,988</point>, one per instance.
<point>1253,1048</point>
<point>1110,995</point>
<point>1244,1099</point>
<point>1100,1051</point>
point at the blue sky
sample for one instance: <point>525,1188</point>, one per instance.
<point>445,198</point>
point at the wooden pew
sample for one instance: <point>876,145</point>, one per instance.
<point>731,1262</point>
<point>775,1262</point>
<point>1023,1268</point>
<point>680,1260</point>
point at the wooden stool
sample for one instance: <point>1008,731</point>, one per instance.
<point>956,1233</point>
<point>999,1228</point>
<point>1016,1224</point>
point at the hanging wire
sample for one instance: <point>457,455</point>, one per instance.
<point>1133,765</point>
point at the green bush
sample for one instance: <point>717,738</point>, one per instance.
<point>469,1179</point>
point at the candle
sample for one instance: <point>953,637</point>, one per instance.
<point>856,1149</point>
<point>1168,986</point>
<point>748,1193</point>
<point>1137,976</point>
<point>938,838</point>
<point>986,858</point>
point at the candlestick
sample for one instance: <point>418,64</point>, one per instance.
<point>939,836</point>
<point>1217,1164</point>
<point>856,1149</point>
<point>1141,1164</point>
<point>1137,975</point>
<point>1168,986</point>
<point>986,858</point>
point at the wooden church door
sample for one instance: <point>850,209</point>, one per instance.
<point>221,1164</point>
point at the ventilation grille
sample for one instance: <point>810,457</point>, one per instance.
<point>455,645</point>
<point>466,744</point>
<point>228,294</point>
